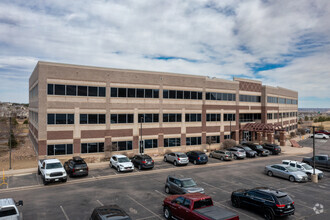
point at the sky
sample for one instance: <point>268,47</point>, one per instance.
<point>282,43</point>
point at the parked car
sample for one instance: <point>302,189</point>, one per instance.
<point>273,148</point>
<point>197,157</point>
<point>121,163</point>
<point>320,136</point>
<point>222,154</point>
<point>51,170</point>
<point>177,185</point>
<point>287,172</point>
<point>323,132</point>
<point>260,150</point>
<point>177,158</point>
<point>321,161</point>
<point>237,152</point>
<point>143,161</point>
<point>248,151</point>
<point>76,167</point>
<point>304,167</point>
<point>9,210</point>
<point>272,203</point>
<point>111,212</point>
<point>194,206</point>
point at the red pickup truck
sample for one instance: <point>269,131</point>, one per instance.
<point>323,132</point>
<point>193,206</point>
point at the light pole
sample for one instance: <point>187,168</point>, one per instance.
<point>141,142</point>
<point>314,176</point>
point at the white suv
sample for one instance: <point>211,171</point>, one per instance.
<point>121,163</point>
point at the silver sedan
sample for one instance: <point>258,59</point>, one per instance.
<point>286,172</point>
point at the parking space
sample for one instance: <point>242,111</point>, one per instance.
<point>141,194</point>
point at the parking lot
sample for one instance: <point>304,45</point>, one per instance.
<point>141,193</point>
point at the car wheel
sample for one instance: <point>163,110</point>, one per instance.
<point>309,175</point>
<point>118,169</point>
<point>39,171</point>
<point>268,214</point>
<point>235,157</point>
<point>165,159</point>
<point>259,154</point>
<point>221,158</point>
<point>167,190</point>
<point>140,167</point>
<point>291,178</point>
<point>64,180</point>
<point>44,181</point>
<point>270,152</point>
<point>195,162</point>
<point>167,213</point>
<point>111,165</point>
<point>210,155</point>
<point>270,173</point>
<point>236,203</point>
<point>175,163</point>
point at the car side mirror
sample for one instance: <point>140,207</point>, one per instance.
<point>19,203</point>
<point>42,167</point>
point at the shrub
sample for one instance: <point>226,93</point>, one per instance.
<point>26,122</point>
<point>292,134</point>
<point>228,143</point>
<point>302,131</point>
<point>13,140</point>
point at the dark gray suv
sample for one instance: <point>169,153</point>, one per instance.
<point>177,185</point>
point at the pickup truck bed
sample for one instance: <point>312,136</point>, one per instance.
<point>215,213</point>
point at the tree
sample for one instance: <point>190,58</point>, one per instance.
<point>26,122</point>
<point>306,118</point>
<point>228,143</point>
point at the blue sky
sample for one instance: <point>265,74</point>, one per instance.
<point>282,43</point>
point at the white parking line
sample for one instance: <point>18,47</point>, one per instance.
<point>7,182</point>
<point>144,207</point>
<point>99,202</point>
<point>160,193</point>
<point>37,179</point>
<point>66,216</point>
<point>216,187</point>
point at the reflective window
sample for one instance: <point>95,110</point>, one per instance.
<point>249,98</point>
<point>213,117</point>
<point>50,119</point>
<point>220,96</point>
<point>148,118</point>
<point>59,149</point>
<point>229,117</point>
<point>92,118</point>
<point>102,91</point>
<point>193,117</point>
<point>71,90</point>
<point>151,143</point>
<point>82,90</point>
<point>60,119</point>
<point>122,146</point>
<point>59,89</point>
<point>172,142</point>
<point>114,92</point>
<point>178,94</point>
<point>171,117</point>
<point>92,91</point>
<point>50,89</point>
<point>212,139</point>
<point>193,141</point>
<point>92,148</point>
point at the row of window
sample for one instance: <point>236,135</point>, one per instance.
<point>171,117</point>
<point>249,98</point>
<point>271,99</point>
<point>33,117</point>
<point>220,96</point>
<point>92,118</point>
<point>33,92</point>
<point>249,117</point>
<point>193,117</point>
<point>281,115</point>
<point>213,117</point>
<point>178,94</point>
<point>193,141</point>
<point>74,90</point>
<point>134,93</point>
<point>60,119</point>
<point>121,118</point>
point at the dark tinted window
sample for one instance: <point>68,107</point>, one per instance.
<point>60,118</point>
<point>101,118</point>
<point>71,90</point>
<point>131,93</point>
<point>7,211</point>
<point>92,119</point>
<point>172,94</point>
<point>156,93</point>
<point>51,119</point>
<point>59,89</point>
<point>102,91</point>
<point>130,118</point>
<point>187,94</point>
<point>114,119</point>
<point>179,200</point>
<point>83,118</point>
<point>148,93</point>
<point>179,94</point>
<point>193,95</point>
<point>82,90</point>
<point>50,89</point>
<point>122,118</point>
<point>92,91</point>
<point>165,94</point>
<point>114,92</point>
<point>122,92</point>
<point>140,93</point>
<point>70,118</point>
<point>284,199</point>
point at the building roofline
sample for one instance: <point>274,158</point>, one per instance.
<point>247,80</point>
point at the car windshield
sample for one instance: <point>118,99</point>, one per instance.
<point>227,152</point>
<point>123,159</point>
<point>182,155</point>
<point>247,148</point>
<point>53,166</point>
<point>7,211</point>
<point>188,183</point>
<point>259,147</point>
<point>284,199</point>
<point>307,167</point>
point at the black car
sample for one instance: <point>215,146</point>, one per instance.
<point>109,212</point>
<point>273,148</point>
<point>260,150</point>
<point>76,167</point>
<point>248,151</point>
<point>197,157</point>
<point>143,162</point>
<point>270,202</point>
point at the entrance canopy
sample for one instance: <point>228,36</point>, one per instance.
<point>262,127</point>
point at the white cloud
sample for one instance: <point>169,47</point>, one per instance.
<point>226,38</point>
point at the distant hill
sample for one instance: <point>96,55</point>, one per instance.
<point>321,110</point>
